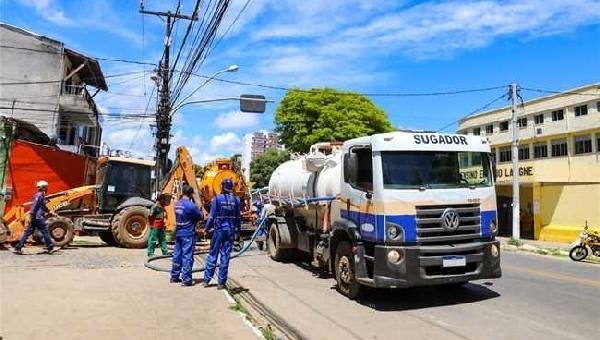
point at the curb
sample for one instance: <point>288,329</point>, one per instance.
<point>249,301</point>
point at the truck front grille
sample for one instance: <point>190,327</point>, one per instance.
<point>431,231</point>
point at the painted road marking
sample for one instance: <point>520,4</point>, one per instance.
<point>560,277</point>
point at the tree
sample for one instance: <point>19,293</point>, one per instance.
<point>263,166</point>
<point>236,160</point>
<point>306,117</point>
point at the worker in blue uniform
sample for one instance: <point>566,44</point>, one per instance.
<point>38,211</point>
<point>224,220</point>
<point>187,215</point>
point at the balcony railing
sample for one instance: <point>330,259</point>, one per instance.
<point>80,91</point>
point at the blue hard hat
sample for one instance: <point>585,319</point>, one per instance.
<point>227,184</point>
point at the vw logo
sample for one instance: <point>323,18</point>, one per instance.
<point>450,219</point>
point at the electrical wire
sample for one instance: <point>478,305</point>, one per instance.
<point>559,92</point>
<point>61,80</point>
<point>231,24</point>
<point>484,107</point>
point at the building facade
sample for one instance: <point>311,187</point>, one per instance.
<point>256,144</point>
<point>48,85</point>
<point>559,162</point>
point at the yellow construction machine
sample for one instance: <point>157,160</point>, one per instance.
<point>206,187</point>
<point>116,208</point>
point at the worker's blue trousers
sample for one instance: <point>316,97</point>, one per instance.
<point>33,225</point>
<point>220,246</point>
<point>183,258</point>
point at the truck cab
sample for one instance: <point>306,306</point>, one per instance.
<point>420,208</point>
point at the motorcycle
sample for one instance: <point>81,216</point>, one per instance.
<point>588,239</point>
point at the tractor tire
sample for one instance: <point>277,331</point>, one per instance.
<point>61,230</point>
<point>108,238</point>
<point>345,271</point>
<point>273,247</point>
<point>130,227</point>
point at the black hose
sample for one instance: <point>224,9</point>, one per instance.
<point>148,264</point>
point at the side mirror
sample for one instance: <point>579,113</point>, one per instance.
<point>494,169</point>
<point>369,195</point>
<point>350,167</point>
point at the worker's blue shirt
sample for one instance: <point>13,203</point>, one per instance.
<point>187,215</point>
<point>38,207</point>
<point>224,213</point>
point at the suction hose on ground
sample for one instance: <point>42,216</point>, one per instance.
<point>259,227</point>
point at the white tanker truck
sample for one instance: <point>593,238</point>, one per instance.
<point>389,210</point>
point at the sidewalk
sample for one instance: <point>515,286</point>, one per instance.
<point>534,244</point>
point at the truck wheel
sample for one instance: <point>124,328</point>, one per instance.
<point>108,238</point>
<point>275,252</point>
<point>344,271</point>
<point>130,227</point>
<point>61,230</point>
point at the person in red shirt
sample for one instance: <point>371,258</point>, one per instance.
<point>157,225</point>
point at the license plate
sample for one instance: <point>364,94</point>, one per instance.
<point>454,261</point>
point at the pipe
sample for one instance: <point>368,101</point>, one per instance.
<point>259,227</point>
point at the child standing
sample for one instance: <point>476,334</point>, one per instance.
<point>157,225</point>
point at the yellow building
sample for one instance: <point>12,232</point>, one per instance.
<point>559,162</point>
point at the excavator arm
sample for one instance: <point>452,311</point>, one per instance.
<point>181,173</point>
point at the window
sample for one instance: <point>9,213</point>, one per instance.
<point>505,154</point>
<point>522,122</point>
<point>540,150</point>
<point>358,169</point>
<point>538,119</point>
<point>580,110</point>
<point>489,129</point>
<point>583,144</point>
<point>477,131</point>
<point>559,147</point>
<point>504,125</point>
<point>433,169</point>
<point>524,152</point>
<point>598,106</point>
<point>558,115</point>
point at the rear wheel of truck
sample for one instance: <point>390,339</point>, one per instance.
<point>130,227</point>
<point>108,238</point>
<point>61,230</point>
<point>345,271</point>
<point>273,245</point>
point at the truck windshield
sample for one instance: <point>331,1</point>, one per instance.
<point>435,169</point>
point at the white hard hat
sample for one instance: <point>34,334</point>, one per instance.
<point>41,184</point>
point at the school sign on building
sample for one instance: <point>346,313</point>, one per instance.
<point>559,162</point>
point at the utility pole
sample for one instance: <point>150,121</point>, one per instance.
<point>516,211</point>
<point>163,111</point>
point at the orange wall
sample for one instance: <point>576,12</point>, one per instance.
<point>30,163</point>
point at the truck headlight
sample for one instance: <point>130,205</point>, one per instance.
<point>494,250</point>
<point>395,256</point>
<point>394,232</point>
<point>494,227</point>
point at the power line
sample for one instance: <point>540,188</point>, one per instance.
<point>141,121</point>
<point>232,23</point>
<point>484,107</point>
<point>96,58</point>
<point>558,92</point>
<point>61,80</point>
<point>107,114</point>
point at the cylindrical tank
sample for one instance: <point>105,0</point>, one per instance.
<point>295,179</point>
<point>214,174</point>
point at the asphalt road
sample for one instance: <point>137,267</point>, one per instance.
<point>538,297</point>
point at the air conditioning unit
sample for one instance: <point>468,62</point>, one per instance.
<point>538,131</point>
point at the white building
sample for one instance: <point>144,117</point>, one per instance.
<point>256,144</point>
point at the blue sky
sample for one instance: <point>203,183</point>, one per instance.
<point>370,46</point>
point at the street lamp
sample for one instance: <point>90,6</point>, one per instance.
<point>231,68</point>
<point>248,102</point>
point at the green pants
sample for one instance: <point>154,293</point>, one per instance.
<point>157,236</point>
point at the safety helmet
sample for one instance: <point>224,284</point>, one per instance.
<point>41,184</point>
<point>227,185</point>
<point>187,189</point>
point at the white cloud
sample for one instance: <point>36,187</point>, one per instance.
<point>48,11</point>
<point>236,120</point>
<point>226,142</point>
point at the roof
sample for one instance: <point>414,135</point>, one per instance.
<point>131,160</point>
<point>421,141</point>
<point>91,74</point>
<point>537,100</point>
<point>28,131</point>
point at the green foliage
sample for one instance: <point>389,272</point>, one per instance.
<point>515,242</point>
<point>322,115</point>
<point>236,160</point>
<point>263,166</point>
<point>199,170</point>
